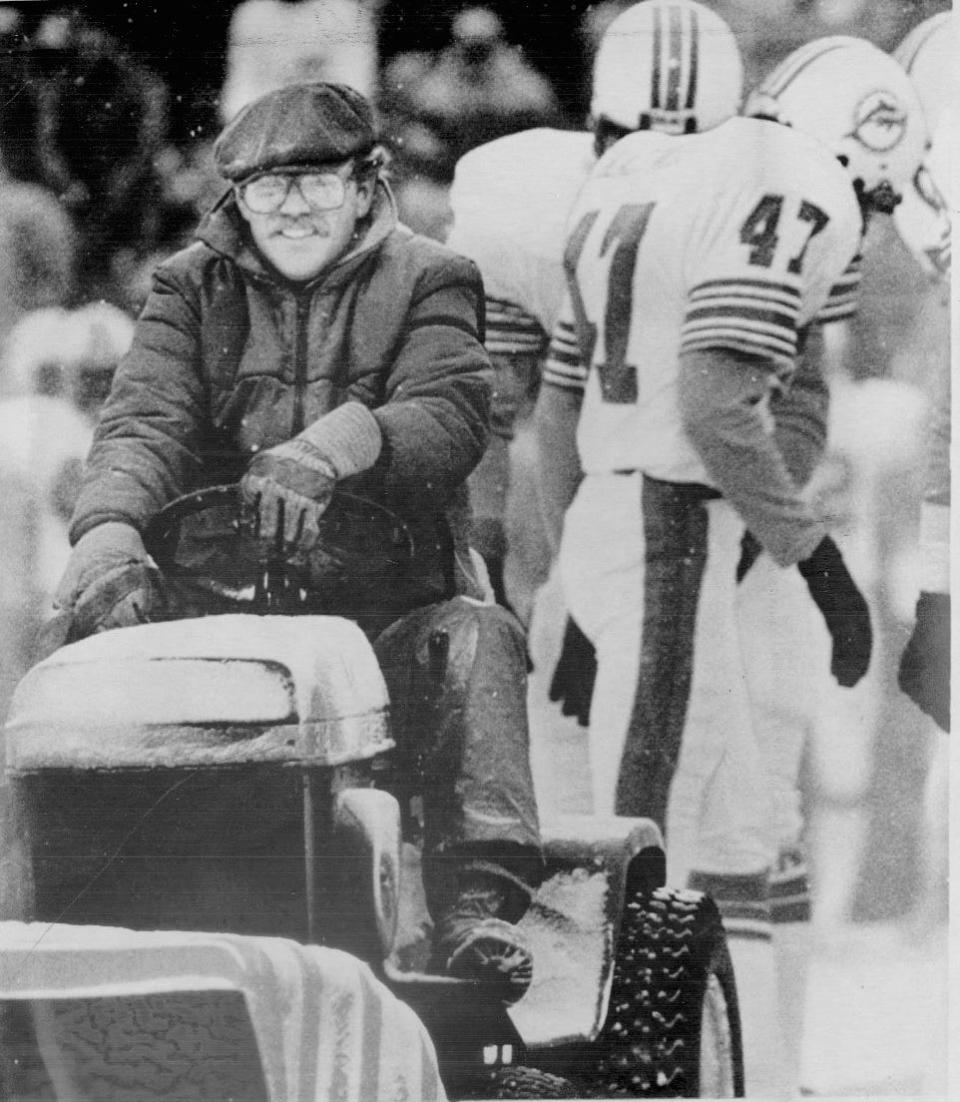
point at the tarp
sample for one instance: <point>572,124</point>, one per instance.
<point>325,1027</point>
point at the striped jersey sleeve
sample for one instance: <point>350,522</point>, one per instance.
<point>511,330</point>
<point>844,297</point>
<point>755,316</point>
<point>565,367</point>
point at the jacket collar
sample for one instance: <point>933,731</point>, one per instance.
<point>224,230</point>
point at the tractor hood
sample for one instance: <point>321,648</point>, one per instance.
<point>220,690</point>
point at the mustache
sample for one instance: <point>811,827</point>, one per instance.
<point>287,222</point>
<point>317,229</point>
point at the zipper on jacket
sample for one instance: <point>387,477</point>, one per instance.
<point>300,363</point>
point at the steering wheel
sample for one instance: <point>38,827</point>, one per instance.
<point>213,563</point>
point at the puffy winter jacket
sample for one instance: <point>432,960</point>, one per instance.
<point>229,358</point>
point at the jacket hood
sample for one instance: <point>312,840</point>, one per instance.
<point>224,230</point>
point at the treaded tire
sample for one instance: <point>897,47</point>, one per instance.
<point>672,1020</point>
<point>523,1082</point>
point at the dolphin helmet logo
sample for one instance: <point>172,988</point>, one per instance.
<point>881,121</point>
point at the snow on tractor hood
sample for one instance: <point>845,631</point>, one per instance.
<point>219,690</point>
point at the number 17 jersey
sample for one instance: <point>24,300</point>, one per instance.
<point>734,239</point>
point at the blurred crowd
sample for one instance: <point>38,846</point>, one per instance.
<point>95,189</point>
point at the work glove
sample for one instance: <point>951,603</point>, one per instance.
<point>844,609</point>
<point>574,674</point>
<point>110,582</point>
<point>287,488</point>
<point>924,673</point>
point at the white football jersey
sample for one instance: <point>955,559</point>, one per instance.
<point>730,239</point>
<point>511,199</point>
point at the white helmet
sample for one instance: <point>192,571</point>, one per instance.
<point>668,65</point>
<point>929,54</point>
<point>860,103</point>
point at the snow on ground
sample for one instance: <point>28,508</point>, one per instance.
<point>876,1014</point>
<point>876,1021</point>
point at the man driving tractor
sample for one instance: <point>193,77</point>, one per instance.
<point>307,343</point>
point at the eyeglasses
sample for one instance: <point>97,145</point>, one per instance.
<point>319,190</point>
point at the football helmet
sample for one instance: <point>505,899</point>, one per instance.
<point>928,54</point>
<point>667,65</point>
<point>857,101</point>
<point>923,219</point>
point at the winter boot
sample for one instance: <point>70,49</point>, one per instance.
<point>474,941</point>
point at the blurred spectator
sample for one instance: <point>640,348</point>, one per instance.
<point>436,107</point>
<point>271,43</point>
<point>37,252</point>
<point>93,118</point>
<point>189,186</point>
<point>55,372</point>
<point>18,100</point>
<point>768,31</point>
<point>66,354</point>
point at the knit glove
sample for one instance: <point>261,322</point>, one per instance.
<point>924,673</point>
<point>110,581</point>
<point>287,488</point>
<point>844,609</point>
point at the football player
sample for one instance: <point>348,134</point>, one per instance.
<point>695,267</point>
<point>671,66</point>
<point>923,222</point>
<point>776,627</point>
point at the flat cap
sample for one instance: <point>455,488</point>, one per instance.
<point>301,124</point>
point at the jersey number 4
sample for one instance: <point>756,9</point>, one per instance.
<point>759,231</point>
<point>618,379</point>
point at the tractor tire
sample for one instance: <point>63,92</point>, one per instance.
<point>523,1082</point>
<point>672,1028</point>
<point>366,855</point>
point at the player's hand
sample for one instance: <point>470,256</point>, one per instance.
<point>844,609</point>
<point>286,490</point>
<point>750,550</point>
<point>924,673</point>
<point>110,582</point>
<point>574,674</point>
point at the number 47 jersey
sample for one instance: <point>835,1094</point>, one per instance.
<point>734,239</point>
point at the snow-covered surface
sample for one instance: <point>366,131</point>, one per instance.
<point>571,948</point>
<point>565,926</point>
<point>876,1014</point>
<point>595,829</point>
<point>220,689</point>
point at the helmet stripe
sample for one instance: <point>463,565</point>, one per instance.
<point>694,59</point>
<point>657,44</point>
<point>802,61</point>
<point>674,58</point>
